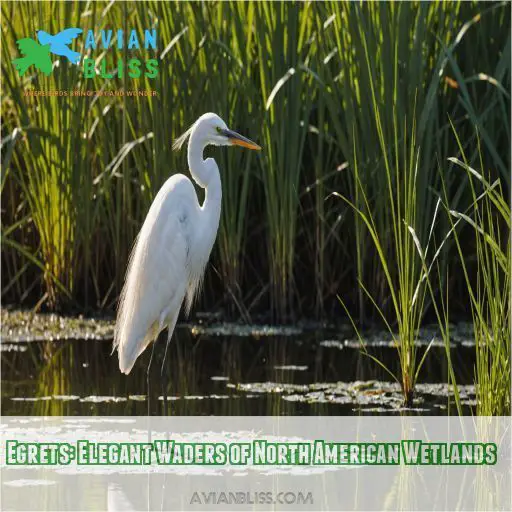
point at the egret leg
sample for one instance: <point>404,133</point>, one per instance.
<point>164,374</point>
<point>147,378</point>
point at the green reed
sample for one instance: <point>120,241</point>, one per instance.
<point>79,174</point>
<point>390,115</point>
<point>392,104</point>
<point>286,90</point>
<point>400,263</point>
<point>488,223</point>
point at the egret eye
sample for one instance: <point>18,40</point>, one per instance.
<point>219,129</point>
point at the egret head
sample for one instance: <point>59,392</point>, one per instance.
<point>211,129</point>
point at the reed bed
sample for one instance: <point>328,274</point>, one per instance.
<point>487,222</point>
<point>353,98</point>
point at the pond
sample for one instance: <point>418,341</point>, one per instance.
<point>227,369</point>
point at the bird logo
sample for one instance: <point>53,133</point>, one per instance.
<point>59,43</point>
<point>33,54</point>
<point>37,53</point>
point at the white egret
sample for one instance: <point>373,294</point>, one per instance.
<point>171,251</point>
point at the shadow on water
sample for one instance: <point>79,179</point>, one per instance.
<point>224,375</point>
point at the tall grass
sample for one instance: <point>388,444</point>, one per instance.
<point>393,155</point>
<point>488,223</point>
<point>487,218</point>
<point>397,78</point>
<point>79,174</point>
<point>56,188</point>
<point>401,263</point>
<point>286,90</point>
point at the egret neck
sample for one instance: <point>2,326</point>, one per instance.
<point>205,172</point>
<point>206,175</point>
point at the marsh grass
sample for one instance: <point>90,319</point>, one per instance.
<point>488,221</point>
<point>392,112</point>
<point>401,264</point>
<point>407,80</point>
<point>79,174</point>
<point>287,93</point>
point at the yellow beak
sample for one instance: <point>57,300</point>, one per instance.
<point>240,140</point>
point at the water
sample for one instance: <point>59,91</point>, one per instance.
<point>226,371</point>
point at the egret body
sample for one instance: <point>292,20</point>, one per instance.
<point>173,247</point>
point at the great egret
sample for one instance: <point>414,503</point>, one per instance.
<point>171,251</point>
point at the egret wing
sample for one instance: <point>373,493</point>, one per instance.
<point>157,276</point>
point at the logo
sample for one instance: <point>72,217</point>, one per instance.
<point>37,53</point>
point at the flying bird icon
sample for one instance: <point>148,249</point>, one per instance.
<point>59,43</point>
<point>34,54</point>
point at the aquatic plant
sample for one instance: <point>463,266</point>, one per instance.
<point>488,224</point>
<point>79,173</point>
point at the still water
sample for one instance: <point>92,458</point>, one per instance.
<point>254,372</point>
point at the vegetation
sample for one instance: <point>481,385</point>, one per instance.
<point>359,99</point>
<point>489,221</point>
